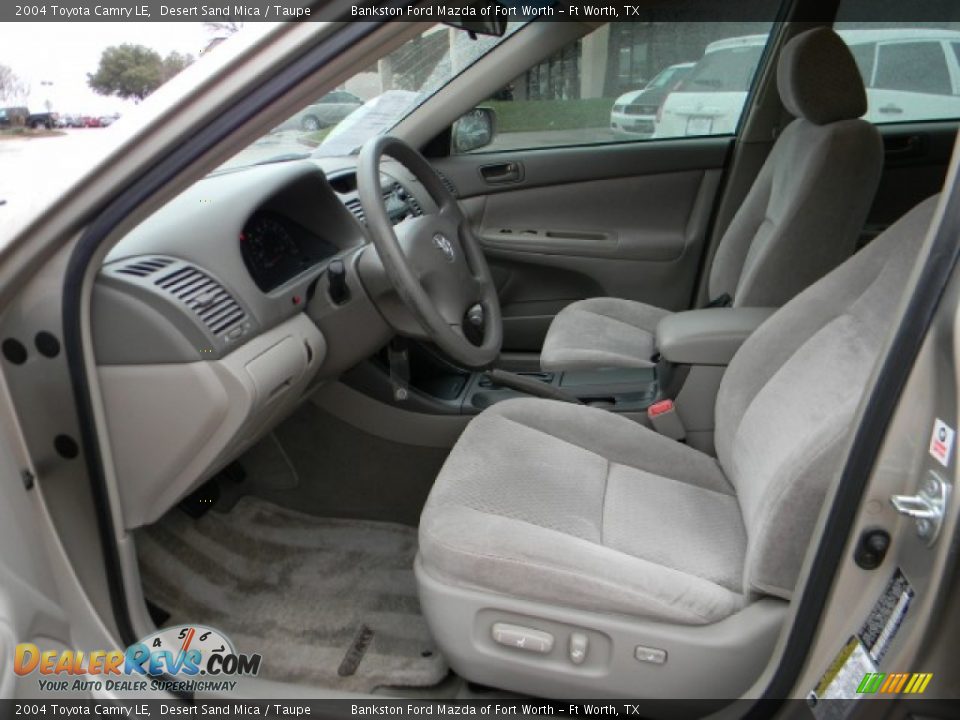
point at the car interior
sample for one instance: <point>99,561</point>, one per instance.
<point>546,416</point>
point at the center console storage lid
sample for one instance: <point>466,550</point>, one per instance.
<point>710,336</point>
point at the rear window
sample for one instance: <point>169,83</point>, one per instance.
<point>727,70</point>
<point>864,53</point>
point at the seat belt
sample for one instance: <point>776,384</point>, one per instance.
<point>720,301</point>
<point>665,420</point>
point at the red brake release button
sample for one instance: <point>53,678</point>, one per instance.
<point>659,408</point>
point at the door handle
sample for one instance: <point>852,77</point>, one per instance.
<point>900,147</point>
<point>890,109</point>
<point>502,172</point>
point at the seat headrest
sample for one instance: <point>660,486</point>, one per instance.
<point>818,78</point>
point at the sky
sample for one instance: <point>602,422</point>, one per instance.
<point>63,54</point>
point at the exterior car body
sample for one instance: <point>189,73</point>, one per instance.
<point>328,110</point>
<point>894,62</point>
<point>634,113</point>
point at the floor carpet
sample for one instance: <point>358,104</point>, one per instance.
<point>318,464</point>
<point>327,602</point>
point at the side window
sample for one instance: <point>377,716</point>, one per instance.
<point>918,67</point>
<point>632,81</point>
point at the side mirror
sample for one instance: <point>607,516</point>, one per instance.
<point>474,130</point>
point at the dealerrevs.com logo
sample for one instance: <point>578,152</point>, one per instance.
<point>180,658</point>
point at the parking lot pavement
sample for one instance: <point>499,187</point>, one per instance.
<point>32,170</point>
<point>11,154</point>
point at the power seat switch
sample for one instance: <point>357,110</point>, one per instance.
<point>578,648</point>
<point>522,638</point>
<point>654,656</point>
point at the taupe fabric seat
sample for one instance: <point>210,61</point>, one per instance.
<point>801,218</point>
<point>573,507</point>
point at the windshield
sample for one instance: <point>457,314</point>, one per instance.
<point>374,100</point>
<point>670,75</point>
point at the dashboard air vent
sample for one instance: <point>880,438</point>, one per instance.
<point>448,183</point>
<point>143,268</point>
<point>215,307</point>
<point>356,208</point>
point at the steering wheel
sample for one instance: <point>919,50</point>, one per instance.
<point>434,262</point>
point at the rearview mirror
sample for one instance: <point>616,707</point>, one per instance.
<point>474,130</point>
<point>497,28</point>
<point>491,10</point>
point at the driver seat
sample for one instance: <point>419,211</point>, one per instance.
<point>568,551</point>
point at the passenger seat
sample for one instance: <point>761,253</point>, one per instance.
<point>801,218</point>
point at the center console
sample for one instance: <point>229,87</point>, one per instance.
<point>695,347</point>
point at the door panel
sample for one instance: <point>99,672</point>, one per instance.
<point>916,156</point>
<point>626,220</point>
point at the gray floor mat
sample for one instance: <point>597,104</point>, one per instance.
<point>318,464</point>
<point>299,590</point>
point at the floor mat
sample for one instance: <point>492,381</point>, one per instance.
<point>318,464</point>
<point>326,602</point>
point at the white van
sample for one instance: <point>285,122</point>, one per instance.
<point>910,73</point>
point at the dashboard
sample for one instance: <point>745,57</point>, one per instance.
<point>257,238</point>
<point>213,319</point>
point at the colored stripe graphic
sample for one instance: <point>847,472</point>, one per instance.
<point>894,683</point>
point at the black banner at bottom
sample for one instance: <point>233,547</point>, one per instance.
<point>415,708</point>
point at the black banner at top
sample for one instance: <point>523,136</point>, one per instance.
<point>446,10</point>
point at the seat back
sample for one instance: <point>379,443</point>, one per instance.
<point>787,402</point>
<point>807,207</point>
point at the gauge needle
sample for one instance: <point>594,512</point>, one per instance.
<point>186,646</point>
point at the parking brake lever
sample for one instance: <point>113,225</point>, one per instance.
<point>531,387</point>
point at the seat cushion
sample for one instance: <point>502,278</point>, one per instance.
<point>602,332</point>
<point>578,507</point>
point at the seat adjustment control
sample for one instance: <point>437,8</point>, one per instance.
<point>522,638</point>
<point>578,648</point>
<point>655,656</point>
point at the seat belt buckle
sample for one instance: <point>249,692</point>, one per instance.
<point>665,420</point>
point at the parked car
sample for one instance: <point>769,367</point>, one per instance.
<point>328,110</point>
<point>46,120</point>
<point>13,116</point>
<point>107,120</point>
<point>635,112</point>
<point>910,74</point>
<point>90,121</point>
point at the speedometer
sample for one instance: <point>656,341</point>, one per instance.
<point>276,249</point>
<point>268,242</point>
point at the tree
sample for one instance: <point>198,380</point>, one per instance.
<point>134,71</point>
<point>12,88</point>
<point>174,63</point>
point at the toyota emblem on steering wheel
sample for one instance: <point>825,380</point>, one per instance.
<point>445,246</point>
